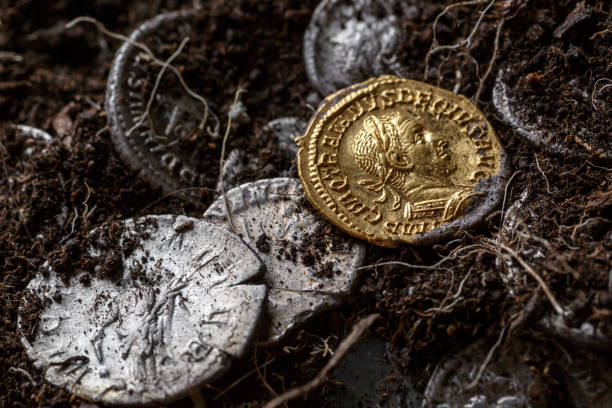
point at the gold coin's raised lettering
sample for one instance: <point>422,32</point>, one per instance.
<point>392,160</point>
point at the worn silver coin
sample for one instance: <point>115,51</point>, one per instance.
<point>349,41</point>
<point>516,230</point>
<point>503,384</point>
<point>179,314</point>
<point>153,146</point>
<point>282,132</point>
<point>286,130</point>
<point>510,110</point>
<point>309,265</point>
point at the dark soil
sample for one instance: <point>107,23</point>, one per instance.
<point>55,79</point>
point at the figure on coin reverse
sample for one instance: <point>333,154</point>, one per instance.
<point>178,314</point>
<point>393,160</point>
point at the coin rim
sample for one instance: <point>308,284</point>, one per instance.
<point>116,114</point>
<point>467,220</point>
<point>503,103</point>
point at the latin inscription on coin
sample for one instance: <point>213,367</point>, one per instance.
<point>308,267</point>
<point>174,320</point>
<point>348,41</point>
<point>393,160</point>
<point>156,146</point>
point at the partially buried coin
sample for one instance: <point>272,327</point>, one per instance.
<point>161,147</point>
<point>175,318</point>
<point>348,41</point>
<point>280,133</point>
<point>308,268</point>
<point>392,160</point>
<point>504,383</point>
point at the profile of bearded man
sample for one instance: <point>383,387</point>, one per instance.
<point>401,152</point>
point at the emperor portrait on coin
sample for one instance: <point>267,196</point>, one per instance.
<point>394,160</point>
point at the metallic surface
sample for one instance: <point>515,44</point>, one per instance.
<point>510,111</point>
<point>151,148</point>
<point>283,132</point>
<point>271,218</point>
<point>286,130</point>
<point>504,383</point>
<point>392,160</point>
<point>174,321</point>
<point>348,41</point>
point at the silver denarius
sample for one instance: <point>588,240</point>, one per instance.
<point>179,314</point>
<point>349,41</point>
<point>308,268</point>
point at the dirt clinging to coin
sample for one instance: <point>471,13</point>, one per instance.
<point>55,80</point>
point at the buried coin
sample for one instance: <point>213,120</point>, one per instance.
<point>308,268</point>
<point>568,323</point>
<point>175,318</point>
<point>573,141</point>
<point>161,147</point>
<point>504,383</point>
<point>348,41</point>
<point>392,160</point>
<point>280,132</point>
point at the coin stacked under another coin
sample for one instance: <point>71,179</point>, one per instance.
<point>383,160</point>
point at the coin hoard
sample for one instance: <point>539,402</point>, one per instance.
<point>392,160</point>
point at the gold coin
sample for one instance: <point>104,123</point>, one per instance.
<point>392,160</point>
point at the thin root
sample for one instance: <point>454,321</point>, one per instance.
<point>343,348</point>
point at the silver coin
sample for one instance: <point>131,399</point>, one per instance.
<point>153,148</point>
<point>286,130</point>
<point>174,320</point>
<point>306,270</point>
<point>283,132</point>
<point>516,227</point>
<point>513,225</point>
<point>349,41</point>
<point>504,383</point>
<point>510,110</point>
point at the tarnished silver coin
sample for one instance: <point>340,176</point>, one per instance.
<point>309,264</point>
<point>503,384</point>
<point>286,130</point>
<point>282,132</point>
<point>349,41</point>
<point>516,229</point>
<point>513,111</point>
<point>179,313</point>
<point>161,147</point>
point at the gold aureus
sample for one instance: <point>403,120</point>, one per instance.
<point>392,160</point>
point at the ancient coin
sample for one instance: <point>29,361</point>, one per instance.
<point>392,160</point>
<point>161,146</point>
<point>514,113</point>
<point>179,313</point>
<point>503,384</point>
<point>281,132</point>
<point>286,130</point>
<point>308,267</point>
<point>348,41</point>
